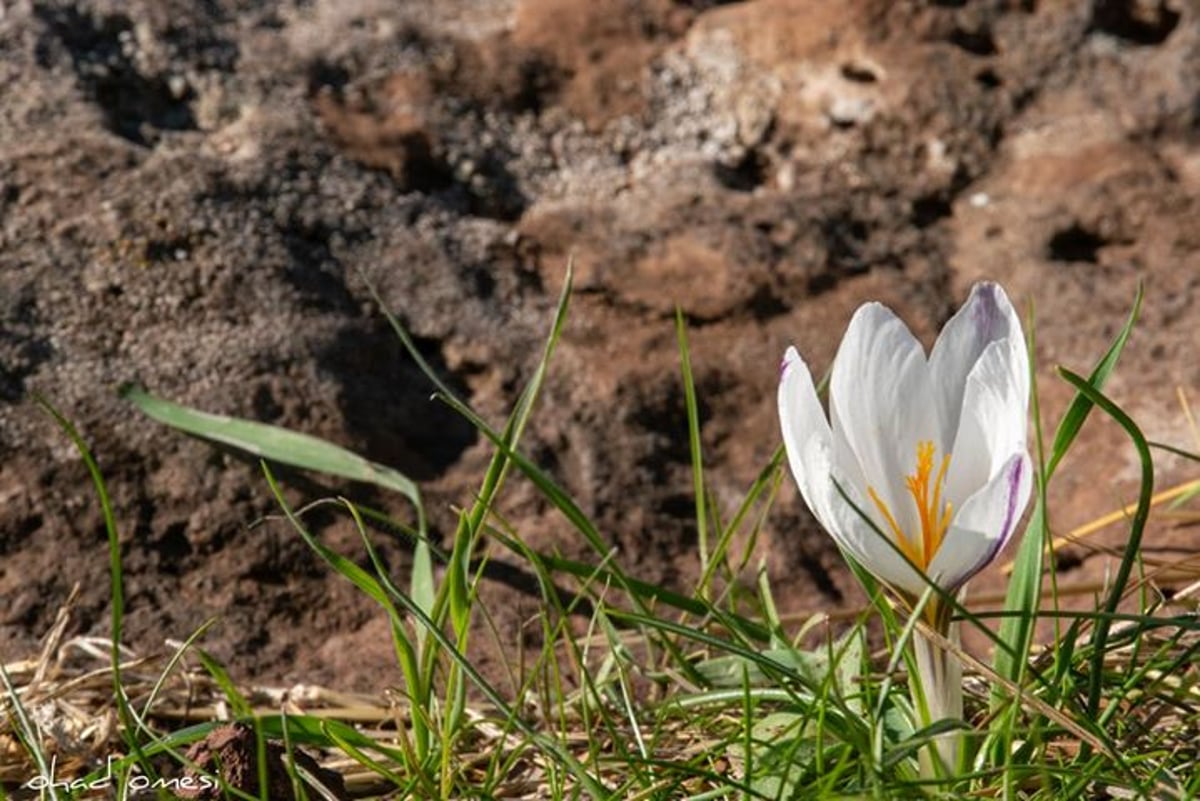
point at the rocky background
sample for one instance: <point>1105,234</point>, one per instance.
<point>192,194</point>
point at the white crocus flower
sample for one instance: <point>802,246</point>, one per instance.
<point>931,449</point>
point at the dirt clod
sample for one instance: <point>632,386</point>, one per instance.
<point>228,759</point>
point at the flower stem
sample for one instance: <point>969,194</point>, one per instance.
<point>939,674</point>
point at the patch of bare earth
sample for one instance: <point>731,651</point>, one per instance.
<point>189,194</point>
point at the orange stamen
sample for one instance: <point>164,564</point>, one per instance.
<point>933,516</point>
<point>907,547</point>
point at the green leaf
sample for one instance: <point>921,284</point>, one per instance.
<point>275,444</point>
<point>906,748</point>
<point>693,424</point>
<point>731,670</point>
<point>1025,587</point>
<point>1081,406</point>
<point>1133,543</point>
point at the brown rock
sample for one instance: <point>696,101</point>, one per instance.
<point>228,759</point>
<point>387,127</point>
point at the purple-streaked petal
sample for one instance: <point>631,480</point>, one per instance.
<point>984,524</point>
<point>994,422</point>
<point>986,318</point>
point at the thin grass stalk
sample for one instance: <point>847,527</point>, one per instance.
<point>590,783</point>
<point>125,714</point>
<point>697,459</point>
<point>381,590</point>
<point>1025,589</point>
<point>471,524</point>
<point>1136,529</point>
<point>460,617</point>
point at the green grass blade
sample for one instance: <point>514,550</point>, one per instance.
<point>417,686</point>
<point>1137,526</point>
<point>170,666</point>
<point>1081,406</point>
<point>27,734</point>
<point>768,481</point>
<point>569,509</point>
<point>774,668</point>
<point>1025,587</point>
<point>275,444</point>
<point>359,753</point>
<point>241,707</point>
<point>422,585</point>
<point>693,426</point>
<point>127,716</point>
<point>590,783</point>
<point>498,467</point>
<point>1024,593</point>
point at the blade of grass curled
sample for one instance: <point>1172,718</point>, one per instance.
<point>1137,526</point>
<point>693,428</point>
<point>416,681</point>
<point>570,510</point>
<point>170,666</point>
<point>125,713</point>
<point>1188,490</point>
<point>1081,406</point>
<point>590,783</point>
<point>1025,587</point>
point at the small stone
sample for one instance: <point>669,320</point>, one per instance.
<point>177,85</point>
<point>846,112</point>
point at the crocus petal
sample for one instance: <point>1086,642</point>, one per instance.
<point>984,524</point>
<point>866,541</point>
<point>994,420</point>
<point>807,439</point>
<point>805,430</point>
<point>881,397</point>
<point>987,317</point>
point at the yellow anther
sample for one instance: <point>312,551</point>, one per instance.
<point>933,516</point>
<point>909,548</point>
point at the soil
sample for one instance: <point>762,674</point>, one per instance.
<point>193,196</point>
